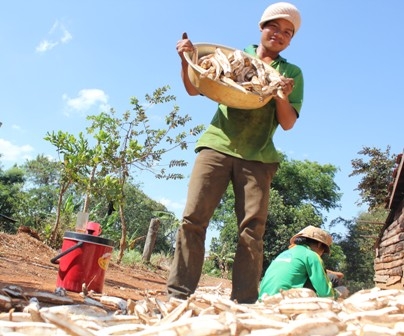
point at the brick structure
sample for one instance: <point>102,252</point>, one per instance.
<point>389,261</point>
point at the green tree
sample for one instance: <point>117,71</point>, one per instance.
<point>138,211</point>
<point>359,248</point>
<point>307,182</point>
<point>376,172</point>
<point>74,153</point>
<point>38,207</point>
<point>11,193</point>
<point>123,143</point>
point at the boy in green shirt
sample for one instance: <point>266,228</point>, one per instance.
<point>301,266</point>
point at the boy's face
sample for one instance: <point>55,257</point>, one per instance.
<point>277,34</point>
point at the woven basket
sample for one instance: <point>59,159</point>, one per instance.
<point>217,90</point>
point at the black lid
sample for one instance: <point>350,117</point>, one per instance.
<point>88,238</point>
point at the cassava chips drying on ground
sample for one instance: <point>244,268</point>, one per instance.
<point>210,312</point>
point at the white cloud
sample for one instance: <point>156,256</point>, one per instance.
<point>86,99</point>
<point>16,127</point>
<point>45,46</point>
<point>66,36</point>
<point>57,34</point>
<point>13,153</point>
<point>174,206</point>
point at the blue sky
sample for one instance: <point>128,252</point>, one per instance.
<point>62,60</point>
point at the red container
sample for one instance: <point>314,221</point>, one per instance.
<point>84,259</point>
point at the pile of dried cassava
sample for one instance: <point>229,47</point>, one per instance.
<point>243,72</point>
<point>208,312</point>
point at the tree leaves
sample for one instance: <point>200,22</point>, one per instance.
<point>376,174</point>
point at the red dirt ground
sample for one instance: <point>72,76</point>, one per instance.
<point>25,262</point>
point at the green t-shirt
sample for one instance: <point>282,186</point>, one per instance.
<point>248,134</point>
<point>292,268</point>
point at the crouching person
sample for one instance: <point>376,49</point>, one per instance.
<point>301,266</point>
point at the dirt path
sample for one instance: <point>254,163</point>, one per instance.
<point>25,262</point>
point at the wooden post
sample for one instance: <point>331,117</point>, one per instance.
<point>151,239</point>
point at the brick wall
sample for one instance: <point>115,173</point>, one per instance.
<point>389,261</point>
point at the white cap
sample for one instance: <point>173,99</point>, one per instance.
<point>281,10</point>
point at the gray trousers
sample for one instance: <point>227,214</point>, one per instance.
<point>210,177</point>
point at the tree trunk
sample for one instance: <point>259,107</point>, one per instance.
<point>88,190</point>
<point>151,239</point>
<point>55,229</point>
<point>122,244</point>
